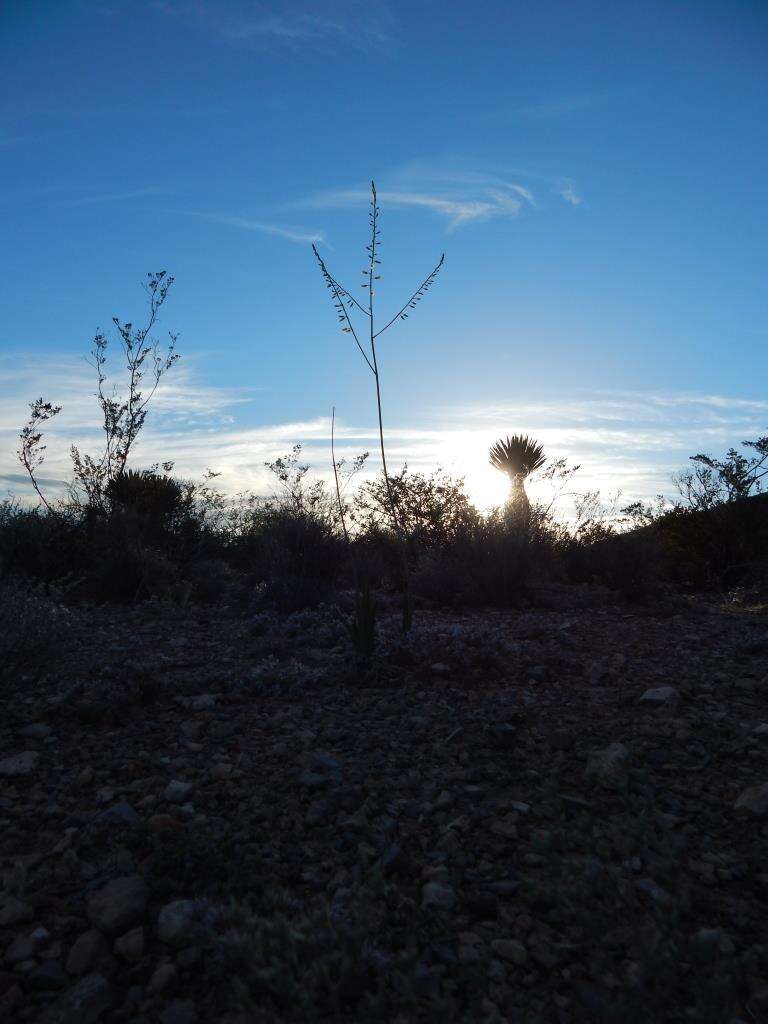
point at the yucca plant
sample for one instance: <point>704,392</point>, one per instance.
<point>518,456</point>
<point>345,304</point>
<point>154,495</point>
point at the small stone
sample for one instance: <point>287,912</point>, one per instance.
<point>19,764</point>
<point>180,1011</point>
<point>87,952</point>
<point>13,911</point>
<point>21,948</point>
<point>178,923</point>
<point>164,823</point>
<point>313,780</point>
<point>177,792</point>
<point>393,859</point>
<point>10,1002</point>
<point>660,695</point>
<point>130,946</point>
<point>161,979</point>
<point>435,894</point>
<point>119,905</point>
<point>754,801</point>
<point>119,814</point>
<point>317,812</point>
<point>326,763</point>
<point>202,702</point>
<point>36,731</point>
<point>504,735</point>
<point>49,976</point>
<point>510,950</point>
<point>505,827</point>
<point>192,728</point>
<point>606,764</point>
<point>652,889</point>
<point>440,669</point>
<point>483,906</point>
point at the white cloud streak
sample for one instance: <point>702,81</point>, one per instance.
<point>459,206</point>
<point>297,235</point>
<point>567,191</point>
<point>114,197</point>
<point>346,23</point>
<point>624,440</point>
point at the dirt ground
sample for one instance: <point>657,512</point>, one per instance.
<point>550,814</point>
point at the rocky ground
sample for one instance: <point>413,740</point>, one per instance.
<point>557,814</point>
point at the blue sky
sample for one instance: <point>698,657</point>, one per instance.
<point>594,172</point>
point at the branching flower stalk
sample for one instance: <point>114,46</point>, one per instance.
<point>345,303</point>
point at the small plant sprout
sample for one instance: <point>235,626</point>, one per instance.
<point>346,306</point>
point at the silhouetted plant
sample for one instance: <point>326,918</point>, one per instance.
<point>345,302</point>
<point>432,508</point>
<point>31,448</point>
<point>518,456</point>
<point>714,481</point>
<point>122,417</point>
<point>156,496</point>
<point>361,625</point>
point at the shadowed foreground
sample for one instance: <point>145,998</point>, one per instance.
<point>534,816</point>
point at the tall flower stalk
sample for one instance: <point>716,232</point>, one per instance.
<point>346,304</point>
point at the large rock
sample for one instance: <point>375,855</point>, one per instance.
<point>19,764</point>
<point>119,905</point>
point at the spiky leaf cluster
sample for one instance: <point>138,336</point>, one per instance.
<point>517,456</point>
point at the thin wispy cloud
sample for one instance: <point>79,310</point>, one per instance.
<point>567,191</point>
<point>460,197</point>
<point>554,107</point>
<point>113,197</point>
<point>297,235</point>
<point>347,23</point>
<point>457,205</point>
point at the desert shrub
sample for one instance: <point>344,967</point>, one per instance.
<point>631,563</point>
<point>40,545</point>
<point>721,546</point>
<point>294,554</point>
<point>433,509</point>
<point>492,561</point>
<point>32,622</point>
<point>156,497</point>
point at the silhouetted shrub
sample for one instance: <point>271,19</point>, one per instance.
<point>433,509</point>
<point>154,496</point>
<point>719,547</point>
<point>492,561</point>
